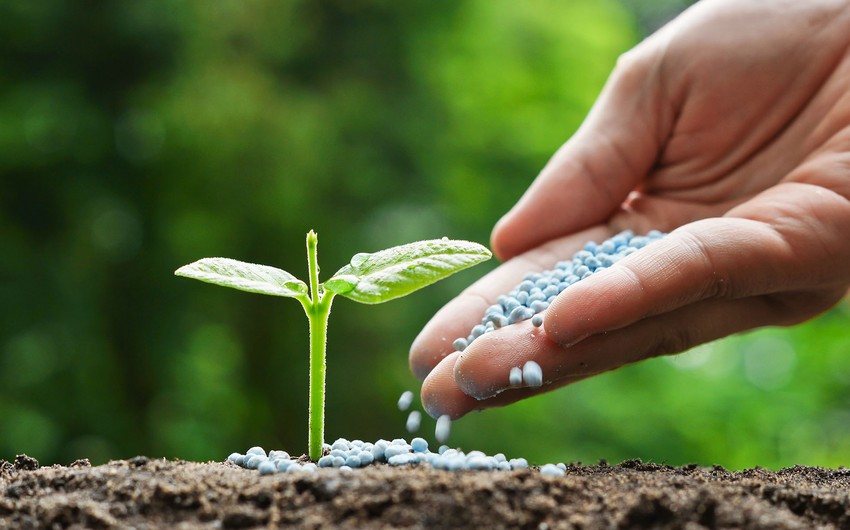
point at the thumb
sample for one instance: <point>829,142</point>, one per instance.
<point>591,175</point>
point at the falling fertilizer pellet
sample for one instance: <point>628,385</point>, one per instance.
<point>405,400</point>
<point>443,429</point>
<point>414,419</point>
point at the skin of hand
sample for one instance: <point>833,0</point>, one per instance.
<point>729,128</point>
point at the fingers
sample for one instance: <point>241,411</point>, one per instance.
<point>789,238</point>
<point>440,395</point>
<point>729,258</point>
<point>781,260</point>
<point>478,378</point>
<point>458,317</point>
<point>587,180</point>
<point>706,280</point>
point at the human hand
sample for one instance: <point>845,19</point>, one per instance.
<point>730,127</point>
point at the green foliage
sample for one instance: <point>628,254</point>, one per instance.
<point>250,277</point>
<point>398,271</point>
<point>137,136</point>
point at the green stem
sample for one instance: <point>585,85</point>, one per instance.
<point>318,311</point>
<point>318,334</point>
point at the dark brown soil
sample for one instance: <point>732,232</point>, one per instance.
<point>145,493</point>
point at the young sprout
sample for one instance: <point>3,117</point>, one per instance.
<point>369,279</point>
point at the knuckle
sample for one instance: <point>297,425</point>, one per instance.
<point>634,66</point>
<point>713,280</point>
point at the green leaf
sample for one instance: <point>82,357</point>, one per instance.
<point>244,276</point>
<point>398,271</point>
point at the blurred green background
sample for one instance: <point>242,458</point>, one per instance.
<point>138,136</point>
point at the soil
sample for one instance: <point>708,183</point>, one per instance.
<point>147,493</point>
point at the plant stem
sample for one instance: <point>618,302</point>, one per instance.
<point>318,311</point>
<point>318,334</point>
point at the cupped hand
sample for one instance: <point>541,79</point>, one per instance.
<point>730,128</point>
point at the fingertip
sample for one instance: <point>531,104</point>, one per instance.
<point>440,395</point>
<point>501,238</point>
<point>482,370</point>
<point>470,381</point>
<point>424,356</point>
<point>419,371</point>
<point>486,365</point>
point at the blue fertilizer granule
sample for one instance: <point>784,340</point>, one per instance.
<point>538,289</point>
<point>531,298</point>
<point>347,455</point>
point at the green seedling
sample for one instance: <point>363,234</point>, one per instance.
<point>369,279</point>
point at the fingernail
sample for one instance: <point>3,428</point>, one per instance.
<point>441,395</point>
